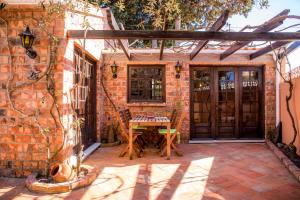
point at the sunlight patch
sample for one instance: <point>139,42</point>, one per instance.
<point>161,174</point>
<point>193,182</point>
<point>114,183</point>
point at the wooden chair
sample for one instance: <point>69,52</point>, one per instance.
<point>174,132</point>
<point>140,129</point>
<point>124,119</point>
<point>173,118</point>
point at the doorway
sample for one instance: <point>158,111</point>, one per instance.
<point>85,95</point>
<point>226,102</point>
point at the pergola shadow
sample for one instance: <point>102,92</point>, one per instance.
<point>206,171</point>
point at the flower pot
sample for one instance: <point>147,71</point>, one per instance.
<point>62,173</point>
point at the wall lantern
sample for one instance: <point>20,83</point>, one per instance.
<point>114,69</point>
<point>178,68</point>
<point>27,40</point>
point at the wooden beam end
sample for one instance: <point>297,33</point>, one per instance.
<point>191,57</point>
<point>223,56</point>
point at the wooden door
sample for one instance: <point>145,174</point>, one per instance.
<point>85,77</point>
<point>250,102</point>
<point>225,102</point>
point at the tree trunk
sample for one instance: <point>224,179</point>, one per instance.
<point>177,27</point>
<point>154,44</point>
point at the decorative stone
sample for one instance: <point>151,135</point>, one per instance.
<point>51,188</point>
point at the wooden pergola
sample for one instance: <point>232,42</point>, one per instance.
<point>261,33</point>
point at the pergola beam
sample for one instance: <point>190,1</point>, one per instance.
<point>267,49</point>
<point>221,21</point>
<point>114,26</point>
<point>267,26</point>
<point>184,35</point>
<point>161,51</point>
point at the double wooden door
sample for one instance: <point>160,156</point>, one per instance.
<point>226,102</point>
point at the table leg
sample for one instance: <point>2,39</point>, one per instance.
<point>168,141</point>
<point>130,142</point>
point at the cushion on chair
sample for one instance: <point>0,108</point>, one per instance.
<point>139,127</point>
<point>164,131</point>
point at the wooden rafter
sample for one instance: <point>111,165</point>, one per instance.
<point>269,48</point>
<point>267,26</point>
<point>221,21</point>
<point>290,49</point>
<point>114,26</point>
<point>185,35</point>
<point>161,51</point>
<point>162,45</point>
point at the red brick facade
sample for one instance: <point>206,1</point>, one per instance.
<point>179,89</point>
<point>22,147</point>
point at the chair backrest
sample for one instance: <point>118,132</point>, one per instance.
<point>123,124</point>
<point>128,114</point>
<point>124,118</point>
<point>173,118</point>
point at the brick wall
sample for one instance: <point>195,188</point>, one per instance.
<point>22,147</point>
<point>179,89</point>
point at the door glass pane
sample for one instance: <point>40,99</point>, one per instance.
<point>226,103</point>
<point>250,97</point>
<point>202,95</point>
<point>201,103</point>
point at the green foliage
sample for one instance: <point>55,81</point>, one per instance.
<point>151,14</point>
<point>77,123</point>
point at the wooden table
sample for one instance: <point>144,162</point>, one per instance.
<point>150,121</point>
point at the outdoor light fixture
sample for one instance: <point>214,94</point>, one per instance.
<point>114,69</point>
<point>27,40</point>
<point>178,68</point>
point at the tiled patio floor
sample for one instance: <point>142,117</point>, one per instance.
<point>207,171</point>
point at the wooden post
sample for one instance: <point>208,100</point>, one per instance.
<point>168,141</point>
<point>130,141</point>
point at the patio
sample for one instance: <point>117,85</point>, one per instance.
<point>206,171</point>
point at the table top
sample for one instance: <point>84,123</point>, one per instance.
<point>139,119</point>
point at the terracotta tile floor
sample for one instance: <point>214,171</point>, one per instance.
<point>207,171</point>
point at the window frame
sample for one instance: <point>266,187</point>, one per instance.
<point>138,66</point>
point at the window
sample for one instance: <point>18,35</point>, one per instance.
<point>82,77</point>
<point>146,83</point>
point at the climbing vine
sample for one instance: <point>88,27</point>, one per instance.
<point>53,11</point>
<point>281,56</point>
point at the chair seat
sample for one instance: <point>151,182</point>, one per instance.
<point>137,127</point>
<point>164,131</point>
